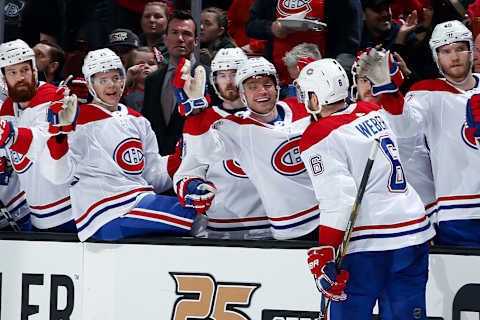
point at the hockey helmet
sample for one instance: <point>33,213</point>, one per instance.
<point>101,60</point>
<point>327,79</point>
<point>14,52</point>
<point>226,59</point>
<point>255,67</point>
<point>448,33</point>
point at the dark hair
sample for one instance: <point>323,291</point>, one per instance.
<point>132,55</point>
<point>221,17</point>
<point>57,54</point>
<point>181,15</point>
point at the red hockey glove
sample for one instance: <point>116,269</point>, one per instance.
<point>330,283</point>
<point>62,114</point>
<point>473,115</point>
<point>196,193</point>
<point>381,68</point>
<point>191,93</point>
<point>7,133</point>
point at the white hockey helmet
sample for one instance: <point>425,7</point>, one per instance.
<point>101,60</point>
<point>255,67</point>
<point>226,59</point>
<point>448,33</point>
<point>14,52</point>
<point>326,78</point>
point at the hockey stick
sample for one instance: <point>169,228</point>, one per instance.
<point>9,218</point>
<point>342,249</point>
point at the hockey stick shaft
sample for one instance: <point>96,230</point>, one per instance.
<point>342,249</point>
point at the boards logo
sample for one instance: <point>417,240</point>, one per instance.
<point>202,297</point>
<point>469,140</point>
<point>233,168</point>
<point>19,162</point>
<point>268,314</point>
<point>286,158</point>
<point>129,156</point>
<point>289,7</point>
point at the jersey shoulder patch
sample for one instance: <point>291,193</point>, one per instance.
<point>433,85</point>
<point>201,123</point>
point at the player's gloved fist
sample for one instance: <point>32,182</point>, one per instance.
<point>196,193</point>
<point>7,133</point>
<point>77,86</point>
<point>381,68</point>
<point>321,261</point>
<point>191,93</point>
<point>473,115</point>
<point>62,114</point>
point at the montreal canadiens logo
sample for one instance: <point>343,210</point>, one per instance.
<point>468,138</point>
<point>233,168</point>
<point>129,156</point>
<point>286,158</point>
<point>19,162</point>
<point>289,7</point>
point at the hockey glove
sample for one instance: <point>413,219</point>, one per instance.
<point>7,133</point>
<point>330,283</point>
<point>473,115</point>
<point>77,86</point>
<point>196,193</point>
<point>381,68</point>
<point>62,114</point>
<point>191,93</point>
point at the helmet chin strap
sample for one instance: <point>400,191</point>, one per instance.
<point>459,83</point>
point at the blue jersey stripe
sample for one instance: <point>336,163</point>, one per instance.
<point>390,235</point>
<point>264,226</point>
<point>287,226</point>
<point>46,215</point>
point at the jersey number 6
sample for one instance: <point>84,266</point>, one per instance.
<point>397,182</point>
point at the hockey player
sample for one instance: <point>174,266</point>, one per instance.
<point>112,162</point>
<point>387,258</point>
<point>228,218</point>
<point>264,141</point>
<point>413,152</point>
<point>439,108</point>
<point>26,107</point>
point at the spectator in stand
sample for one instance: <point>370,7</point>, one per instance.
<point>50,59</point>
<point>342,34</point>
<point>476,55</point>
<point>142,64</point>
<point>214,34</point>
<point>154,22</point>
<point>160,104</point>
<point>237,20</point>
<point>380,29</point>
<point>303,50</point>
<point>122,42</point>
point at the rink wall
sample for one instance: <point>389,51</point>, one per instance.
<point>45,276</point>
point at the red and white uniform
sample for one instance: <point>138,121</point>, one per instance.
<point>335,150</point>
<point>14,200</point>
<point>438,109</point>
<point>112,162</point>
<point>236,211</point>
<point>270,156</point>
<point>49,203</point>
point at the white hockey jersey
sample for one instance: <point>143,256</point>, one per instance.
<point>236,211</point>
<point>270,156</point>
<point>112,162</point>
<point>438,109</point>
<point>335,150</point>
<point>49,203</point>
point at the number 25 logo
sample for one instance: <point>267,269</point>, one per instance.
<point>201,297</point>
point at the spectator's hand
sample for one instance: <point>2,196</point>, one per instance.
<point>132,74</point>
<point>427,17</point>
<point>402,65</point>
<point>278,31</point>
<point>407,28</point>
